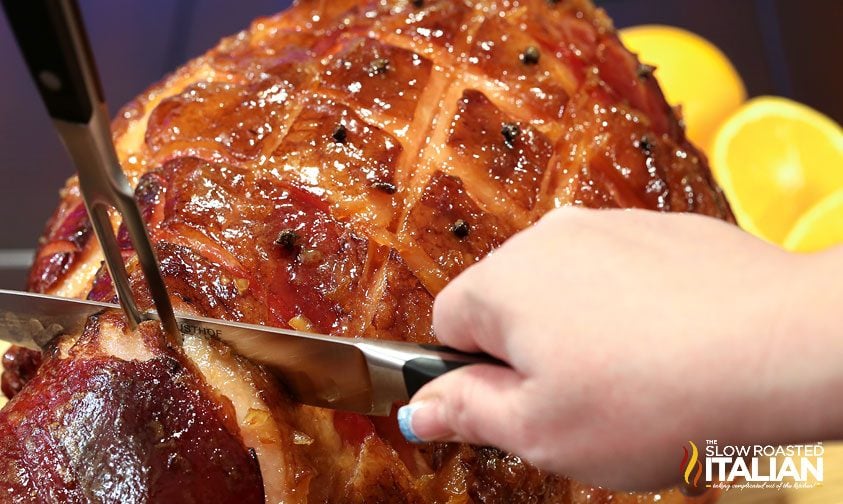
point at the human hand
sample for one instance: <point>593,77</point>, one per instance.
<point>630,333</point>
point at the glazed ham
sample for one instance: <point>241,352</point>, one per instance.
<point>331,169</point>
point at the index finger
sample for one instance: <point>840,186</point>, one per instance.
<point>465,319</point>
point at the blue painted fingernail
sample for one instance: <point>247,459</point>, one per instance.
<point>405,422</point>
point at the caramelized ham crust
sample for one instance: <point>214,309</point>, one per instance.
<point>331,168</point>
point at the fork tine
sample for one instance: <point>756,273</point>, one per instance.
<point>149,263</point>
<point>114,262</point>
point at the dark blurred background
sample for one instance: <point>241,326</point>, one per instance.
<point>784,47</point>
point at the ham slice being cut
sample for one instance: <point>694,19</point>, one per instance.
<point>331,168</point>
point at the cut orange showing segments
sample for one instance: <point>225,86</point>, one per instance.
<point>692,73</point>
<point>774,159</point>
<point>820,228</point>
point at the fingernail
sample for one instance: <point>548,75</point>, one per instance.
<point>421,422</point>
<point>405,421</point>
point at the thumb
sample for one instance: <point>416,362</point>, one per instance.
<point>477,404</point>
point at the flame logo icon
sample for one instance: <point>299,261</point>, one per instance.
<point>691,465</point>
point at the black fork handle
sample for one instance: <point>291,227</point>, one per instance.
<point>55,46</point>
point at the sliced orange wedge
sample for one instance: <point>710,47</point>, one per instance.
<point>775,159</point>
<point>820,227</point>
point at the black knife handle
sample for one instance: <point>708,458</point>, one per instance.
<point>420,370</point>
<point>55,47</point>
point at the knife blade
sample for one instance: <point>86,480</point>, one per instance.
<point>352,374</point>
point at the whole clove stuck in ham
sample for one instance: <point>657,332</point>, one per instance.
<point>331,168</point>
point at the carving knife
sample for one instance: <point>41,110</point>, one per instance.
<point>352,374</point>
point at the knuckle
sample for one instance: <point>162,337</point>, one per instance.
<point>530,440</point>
<point>566,213</point>
<point>549,454</point>
<point>460,415</point>
<point>454,414</point>
<point>459,310</point>
<point>567,219</point>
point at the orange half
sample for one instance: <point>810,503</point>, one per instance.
<point>775,159</point>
